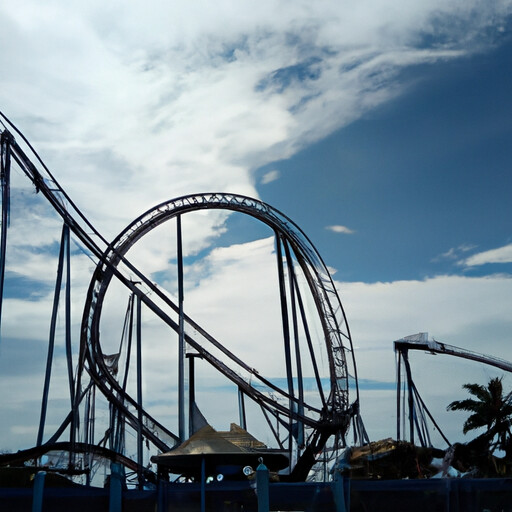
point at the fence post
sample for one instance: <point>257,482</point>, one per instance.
<point>203,484</point>
<point>338,488</point>
<point>37,495</point>
<point>116,488</point>
<point>161,505</point>
<point>262,491</point>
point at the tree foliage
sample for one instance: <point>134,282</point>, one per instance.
<point>489,409</point>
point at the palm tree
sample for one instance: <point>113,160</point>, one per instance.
<point>490,410</point>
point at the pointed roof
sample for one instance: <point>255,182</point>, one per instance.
<point>240,437</point>
<point>205,440</point>
<point>235,447</point>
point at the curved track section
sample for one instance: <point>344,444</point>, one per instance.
<point>323,419</point>
<point>334,415</point>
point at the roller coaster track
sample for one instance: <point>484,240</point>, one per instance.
<point>418,410</point>
<point>334,415</point>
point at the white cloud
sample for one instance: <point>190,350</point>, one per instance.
<point>131,105</point>
<point>270,176</point>
<point>232,292</point>
<point>499,255</point>
<point>237,301</point>
<point>451,308</point>
<point>340,229</point>
<point>158,102</point>
<point>472,313</point>
<point>454,252</point>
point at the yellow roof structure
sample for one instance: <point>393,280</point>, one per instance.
<point>233,448</point>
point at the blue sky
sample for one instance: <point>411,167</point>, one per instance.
<point>423,181</point>
<point>381,129</point>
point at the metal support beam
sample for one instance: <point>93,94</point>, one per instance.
<point>309,343</point>
<point>241,409</point>
<point>51,340</point>
<point>5,179</point>
<point>286,330</point>
<point>300,385</point>
<point>416,406</point>
<point>139,390</point>
<point>398,394</point>
<point>191,392</point>
<point>118,414</point>
<point>181,335</point>
<point>409,395</point>
<point>69,355</point>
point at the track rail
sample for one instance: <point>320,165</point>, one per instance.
<point>112,263</point>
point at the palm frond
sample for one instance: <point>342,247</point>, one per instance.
<point>468,404</point>
<point>474,422</point>
<point>478,390</point>
<point>490,410</point>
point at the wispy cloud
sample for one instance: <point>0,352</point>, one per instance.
<point>337,228</point>
<point>499,255</point>
<point>270,176</point>
<point>172,100</point>
<point>454,253</point>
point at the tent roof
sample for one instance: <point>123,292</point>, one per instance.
<point>235,446</point>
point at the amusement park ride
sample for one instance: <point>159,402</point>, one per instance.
<point>415,409</point>
<point>109,421</point>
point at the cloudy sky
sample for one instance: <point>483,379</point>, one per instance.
<point>381,128</point>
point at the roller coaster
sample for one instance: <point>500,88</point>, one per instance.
<point>306,411</point>
<point>414,408</point>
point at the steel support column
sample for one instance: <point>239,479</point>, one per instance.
<point>286,331</point>
<point>51,340</point>
<point>139,390</point>
<point>181,335</point>
<point>5,179</point>
<point>300,385</point>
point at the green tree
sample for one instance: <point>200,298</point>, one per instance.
<point>490,410</point>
